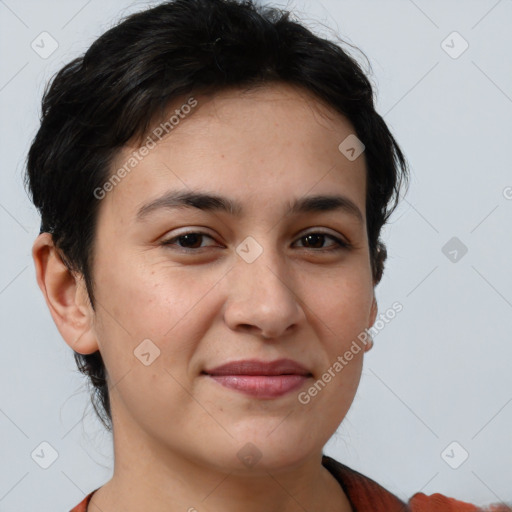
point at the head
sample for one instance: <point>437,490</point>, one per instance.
<point>232,100</point>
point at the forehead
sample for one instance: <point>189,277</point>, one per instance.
<point>270,141</point>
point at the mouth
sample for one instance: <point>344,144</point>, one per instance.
<point>260,378</point>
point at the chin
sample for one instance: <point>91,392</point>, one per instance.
<point>273,447</point>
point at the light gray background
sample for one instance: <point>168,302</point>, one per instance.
<point>438,373</point>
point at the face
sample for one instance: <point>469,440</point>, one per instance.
<point>205,286</point>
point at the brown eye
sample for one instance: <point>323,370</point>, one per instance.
<point>187,241</point>
<point>316,241</point>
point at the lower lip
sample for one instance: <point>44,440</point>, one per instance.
<point>262,386</point>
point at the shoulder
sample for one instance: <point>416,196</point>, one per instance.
<point>366,494</point>
<point>420,502</point>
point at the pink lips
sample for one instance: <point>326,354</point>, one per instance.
<point>259,378</point>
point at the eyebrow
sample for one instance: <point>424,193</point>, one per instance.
<point>214,202</point>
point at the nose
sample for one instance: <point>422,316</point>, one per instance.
<point>262,299</point>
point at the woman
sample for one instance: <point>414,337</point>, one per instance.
<point>213,180</point>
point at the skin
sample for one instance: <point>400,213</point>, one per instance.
<point>177,432</point>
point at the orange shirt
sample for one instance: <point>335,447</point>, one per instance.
<point>365,495</point>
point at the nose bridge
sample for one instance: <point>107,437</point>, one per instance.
<point>261,294</point>
<point>263,269</point>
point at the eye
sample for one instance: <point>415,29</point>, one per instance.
<point>191,241</point>
<point>317,238</point>
<point>188,241</point>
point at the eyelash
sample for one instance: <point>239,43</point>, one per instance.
<point>340,244</point>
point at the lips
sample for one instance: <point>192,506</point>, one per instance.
<point>261,379</point>
<point>257,367</point>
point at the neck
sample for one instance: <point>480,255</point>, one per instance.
<point>151,477</point>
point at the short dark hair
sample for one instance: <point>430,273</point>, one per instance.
<point>127,78</point>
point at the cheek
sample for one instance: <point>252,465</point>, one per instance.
<point>150,314</point>
<point>343,304</point>
<point>144,297</point>
<point>161,301</point>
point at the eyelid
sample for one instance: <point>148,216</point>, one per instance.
<point>319,231</point>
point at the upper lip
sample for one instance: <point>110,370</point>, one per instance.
<point>258,367</point>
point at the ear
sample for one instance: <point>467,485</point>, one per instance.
<point>371,320</point>
<point>66,296</point>
<point>373,311</point>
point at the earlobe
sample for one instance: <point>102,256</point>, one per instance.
<point>65,295</point>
